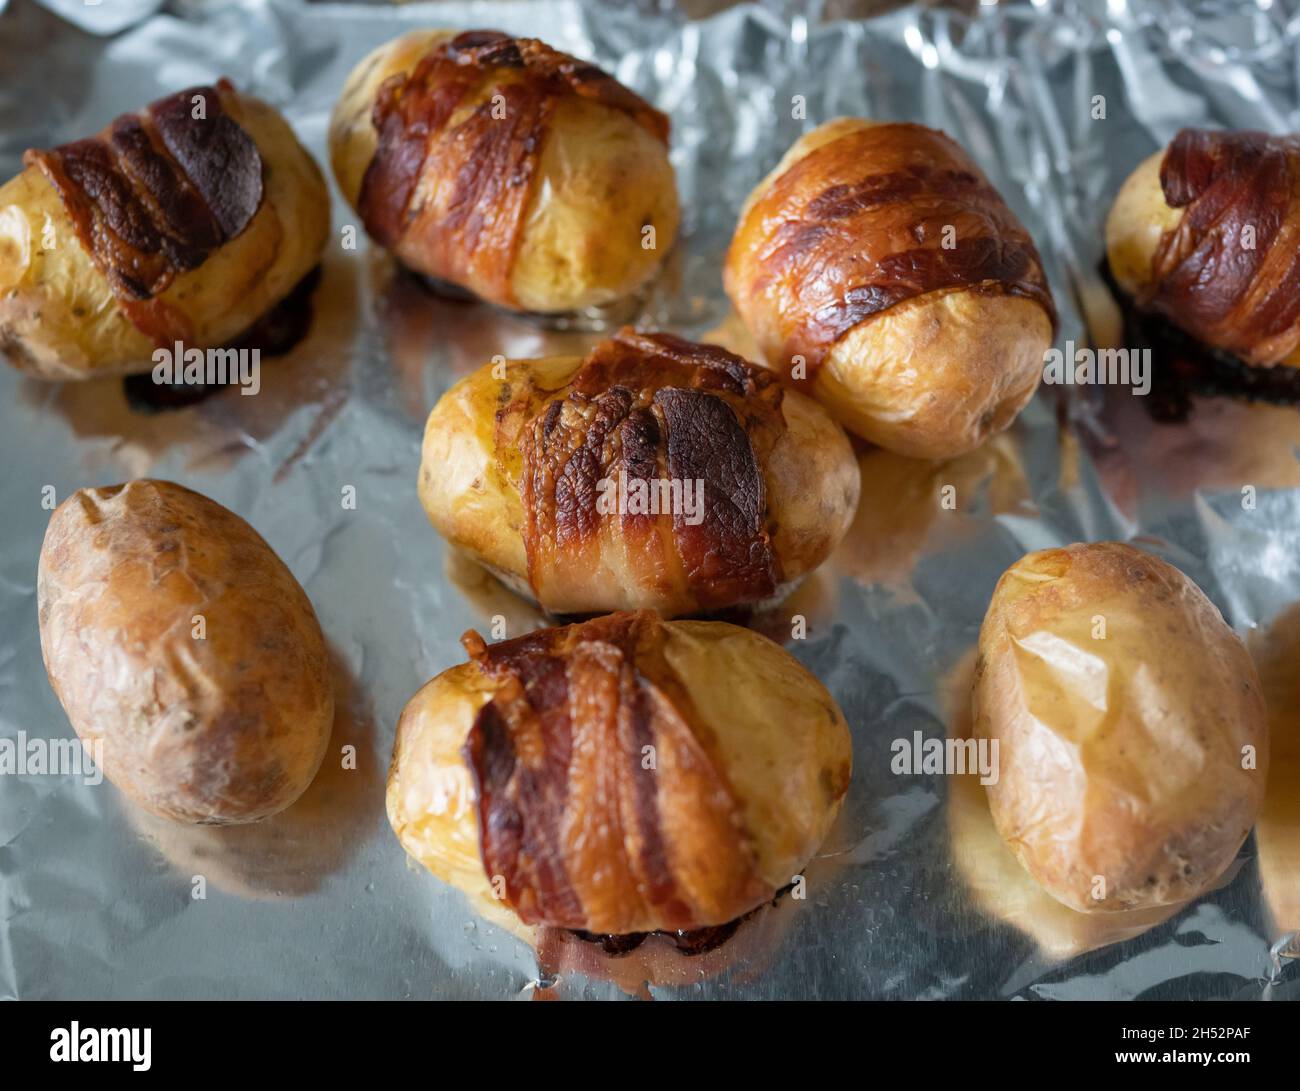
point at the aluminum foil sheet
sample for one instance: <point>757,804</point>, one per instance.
<point>913,896</point>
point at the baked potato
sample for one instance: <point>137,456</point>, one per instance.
<point>175,638</point>
<point>1203,234</point>
<point>1132,736</point>
<point>520,174</point>
<point>878,269</point>
<point>651,473</point>
<point>620,775</point>
<point>166,227</point>
<point>992,877</point>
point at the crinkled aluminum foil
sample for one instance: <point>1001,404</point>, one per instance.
<point>913,896</point>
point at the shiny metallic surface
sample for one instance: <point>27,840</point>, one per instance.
<point>913,896</point>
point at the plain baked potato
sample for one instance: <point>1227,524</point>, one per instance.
<point>516,454</point>
<point>1130,723</point>
<point>913,306</point>
<point>68,312</point>
<point>991,875</point>
<point>579,169</point>
<point>621,775</point>
<point>173,635</point>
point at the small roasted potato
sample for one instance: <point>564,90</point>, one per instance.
<point>1203,234</point>
<point>878,269</point>
<point>515,172</point>
<point>651,473</point>
<point>620,775</point>
<point>1132,737</point>
<point>175,637</point>
<point>186,222</point>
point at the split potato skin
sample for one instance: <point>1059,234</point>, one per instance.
<point>932,376</point>
<point>774,742</point>
<point>601,178</point>
<point>59,316</point>
<point>1132,764</point>
<point>228,728</point>
<point>470,484</point>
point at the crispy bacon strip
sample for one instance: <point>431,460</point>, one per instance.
<point>587,828</point>
<point>460,138</point>
<point>861,224</point>
<point>1229,273</point>
<point>651,408</point>
<point>155,193</point>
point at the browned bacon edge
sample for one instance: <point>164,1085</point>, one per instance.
<point>155,193</point>
<point>838,223</point>
<point>656,406</point>
<point>564,740</point>
<point>489,162</point>
<point>1208,276</point>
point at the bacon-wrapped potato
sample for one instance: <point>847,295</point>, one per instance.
<point>187,221</point>
<point>506,168</point>
<point>621,775</point>
<point>175,638</point>
<point>1131,730</point>
<point>651,473</point>
<point>878,268</point>
<point>1206,234</point>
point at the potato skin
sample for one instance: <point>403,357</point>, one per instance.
<point>784,744</point>
<point>1121,758</point>
<point>59,317</point>
<point>601,178</point>
<point>226,729</point>
<point>931,377</point>
<point>811,479</point>
<point>936,376</point>
<point>1137,220</point>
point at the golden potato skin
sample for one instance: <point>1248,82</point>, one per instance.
<point>471,494</point>
<point>982,359</point>
<point>601,179</point>
<point>1121,756</point>
<point>932,376</point>
<point>1137,220</point>
<point>780,740</point>
<point>59,317</point>
<point>226,729</point>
